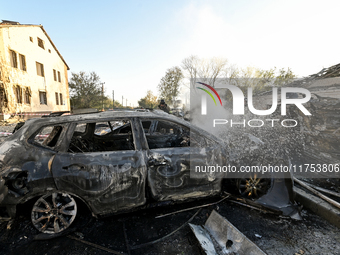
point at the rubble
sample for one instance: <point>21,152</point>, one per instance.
<point>219,237</point>
<point>321,130</point>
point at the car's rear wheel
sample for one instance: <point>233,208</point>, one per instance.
<point>54,213</point>
<point>252,186</point>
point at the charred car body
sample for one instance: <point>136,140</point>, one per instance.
<point>113,162</point>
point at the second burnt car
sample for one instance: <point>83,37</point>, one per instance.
<point>114,162</point>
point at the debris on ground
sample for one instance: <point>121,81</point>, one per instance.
<point>219,236</point>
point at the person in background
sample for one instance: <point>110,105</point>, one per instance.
<point>163,106</point>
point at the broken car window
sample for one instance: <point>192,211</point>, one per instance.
<point>80,128</point>
<point>113,135</point>
<point>167,134</point>
<point>102,128</point>
<point>48,136</point>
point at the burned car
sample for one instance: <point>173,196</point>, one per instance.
<point>112,162</point>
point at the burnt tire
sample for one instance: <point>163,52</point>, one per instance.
<point>54,213</point>
<point>253,187</point>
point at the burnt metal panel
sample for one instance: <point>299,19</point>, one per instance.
<point>108,181</point>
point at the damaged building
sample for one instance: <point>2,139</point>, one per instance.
<point>33,73</point>
<point>321,129</point>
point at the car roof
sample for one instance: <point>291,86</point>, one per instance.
<point>97,116</point>
<point>102,116</point>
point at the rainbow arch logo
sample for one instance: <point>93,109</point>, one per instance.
<point>209,93</point>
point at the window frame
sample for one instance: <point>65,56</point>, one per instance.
<point>41,43</point>
<point>59,76</point>
<point>61,99</point>
<point>14,59</point>
<point>22,59</point>
<point>18,94</point>
<point>55,75</point>
<point>59,143</point>
<point>40,69</point>
<point>89,130</point>
<point>56,98</point>
<point>44,94</point>
<point>27,96</point>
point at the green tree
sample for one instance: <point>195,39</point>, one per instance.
<point>85,90</point>
<point>169,86</point>
<point>284,77</point>
<point>107,101</point>
<point>149,101</point>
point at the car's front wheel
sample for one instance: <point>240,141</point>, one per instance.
<point>54,213</point>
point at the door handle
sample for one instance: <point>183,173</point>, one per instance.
<point>74,166</point>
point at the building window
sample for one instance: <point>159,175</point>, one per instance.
<point>18,94</point>
<point>61,99</point>
<point>49,51</point>
<point>42,97</point>
<point>55,74</point>
<point>14,60</point>
<point>22,62</point>
<point>41,43</point>
<point>40,69</point>
<point>59,78</point>
<point>3,97</point>
<point>27,96</point>
<point>56,98</point>
<point>31,38</point>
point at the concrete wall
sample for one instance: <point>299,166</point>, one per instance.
<point>17,38</point>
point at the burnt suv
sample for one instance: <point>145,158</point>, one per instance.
<point>112,162</point>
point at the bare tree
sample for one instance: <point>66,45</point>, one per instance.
<point>207,70</point>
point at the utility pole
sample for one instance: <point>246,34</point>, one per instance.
<point>113,99</point>
<point>103,96</point>
<point>122,101</point>
<point>125,102</point>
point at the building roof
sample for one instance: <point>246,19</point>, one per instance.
<point>8,23</point>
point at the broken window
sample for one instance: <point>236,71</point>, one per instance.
<point>18,94</point>
<point>40,69</point>
<point>56,98</point>
<point>47,136</point>
<point>61,99</point>
<point>80,129</point>
<point>14,60</point>
<point>42,97</point>
<point>27,96</point>
<point>22,62</point>
<point>114,135</point>
<point>146,126</point>
<point>55,74</point>
<point>41,43</point>
<point>3,96</point>
<point>166,134</point>
<point>59,78</point>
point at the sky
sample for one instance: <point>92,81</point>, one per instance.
<point>131,44</point>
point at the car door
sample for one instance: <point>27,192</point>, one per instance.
<point>173,151</point>
<point>106,169</point>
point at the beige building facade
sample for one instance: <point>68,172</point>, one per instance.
<point>33,78</point>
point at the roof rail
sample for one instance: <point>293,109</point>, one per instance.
<point>55,114</point>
